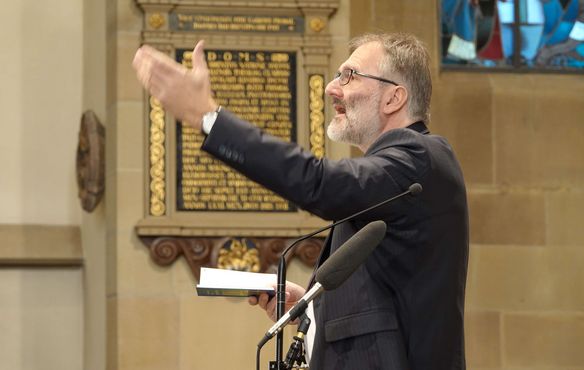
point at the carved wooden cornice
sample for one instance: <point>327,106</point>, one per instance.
<point>245,254</point>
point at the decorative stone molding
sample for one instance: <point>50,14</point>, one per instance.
<point>40,245</point>
<point>253,254</point>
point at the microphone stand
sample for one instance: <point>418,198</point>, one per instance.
<point>414,189</point>
<point>281,296</point>
<point>296,352</point>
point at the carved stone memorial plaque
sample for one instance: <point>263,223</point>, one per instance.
<point>268,61</point>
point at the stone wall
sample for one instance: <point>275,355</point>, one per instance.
<point>41,275</point>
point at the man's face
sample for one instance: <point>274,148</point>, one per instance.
<point>357,104</point>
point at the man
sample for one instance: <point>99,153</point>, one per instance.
<point>403,309</point>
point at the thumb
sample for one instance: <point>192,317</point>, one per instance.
<point>199,55</point>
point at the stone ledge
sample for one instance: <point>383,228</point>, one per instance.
<point>40,245</point>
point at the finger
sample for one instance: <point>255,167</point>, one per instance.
<point>144,52</point>
<point>263,300</point>
<point>146,74</point>
<point>199,54</point>
<point>165,69</point>
<point>271,309</point>
<point>271,305</point>
<point>156,87</point>
<point>137,58</point>
<point>252,300</point>
<point>165,77</point>
<point>141,64</point>
<point>154,67</point>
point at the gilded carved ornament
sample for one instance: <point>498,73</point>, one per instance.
<point>317,24</point>
<point>316,85</point>
<point>239,254</point>
<point>156,20</point>
<point>157,155</point>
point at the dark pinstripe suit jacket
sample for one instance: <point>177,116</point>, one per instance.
<point>403,309</point>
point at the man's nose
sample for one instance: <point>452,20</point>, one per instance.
<point>333,88</point>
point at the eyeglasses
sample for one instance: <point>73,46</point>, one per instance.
<point>346,75</point>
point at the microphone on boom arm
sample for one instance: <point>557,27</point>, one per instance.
<point>334,271</point>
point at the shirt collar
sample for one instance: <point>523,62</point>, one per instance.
<point>420,127</point>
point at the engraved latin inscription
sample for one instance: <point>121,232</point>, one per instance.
<point>258,86</point>
<point>180,21</point>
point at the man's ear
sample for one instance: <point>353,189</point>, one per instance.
<point>394,99</point>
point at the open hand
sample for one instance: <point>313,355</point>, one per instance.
<point>184,93</point>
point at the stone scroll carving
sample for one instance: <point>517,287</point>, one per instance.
<point>243,254</point>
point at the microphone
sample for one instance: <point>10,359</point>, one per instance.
<point>334,271</point>
<point>413,189</point>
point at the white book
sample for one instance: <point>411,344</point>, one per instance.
<point>229,283</point>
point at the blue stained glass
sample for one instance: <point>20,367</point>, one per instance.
<point>481,34</point>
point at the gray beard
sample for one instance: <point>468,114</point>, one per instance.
<point>361,124</point>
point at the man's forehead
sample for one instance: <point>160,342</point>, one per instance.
<point>365,55</point>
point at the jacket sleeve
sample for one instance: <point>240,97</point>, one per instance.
<point>330,189</point>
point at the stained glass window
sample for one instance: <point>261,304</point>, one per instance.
<point>542,34</point>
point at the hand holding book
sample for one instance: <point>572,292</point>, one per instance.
<point>229,283</point>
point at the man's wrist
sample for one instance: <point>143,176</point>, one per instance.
<point>208,120</point>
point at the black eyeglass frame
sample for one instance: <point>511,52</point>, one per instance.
<point>354,72</point>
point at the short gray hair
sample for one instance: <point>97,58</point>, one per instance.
<point>407,56</point>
